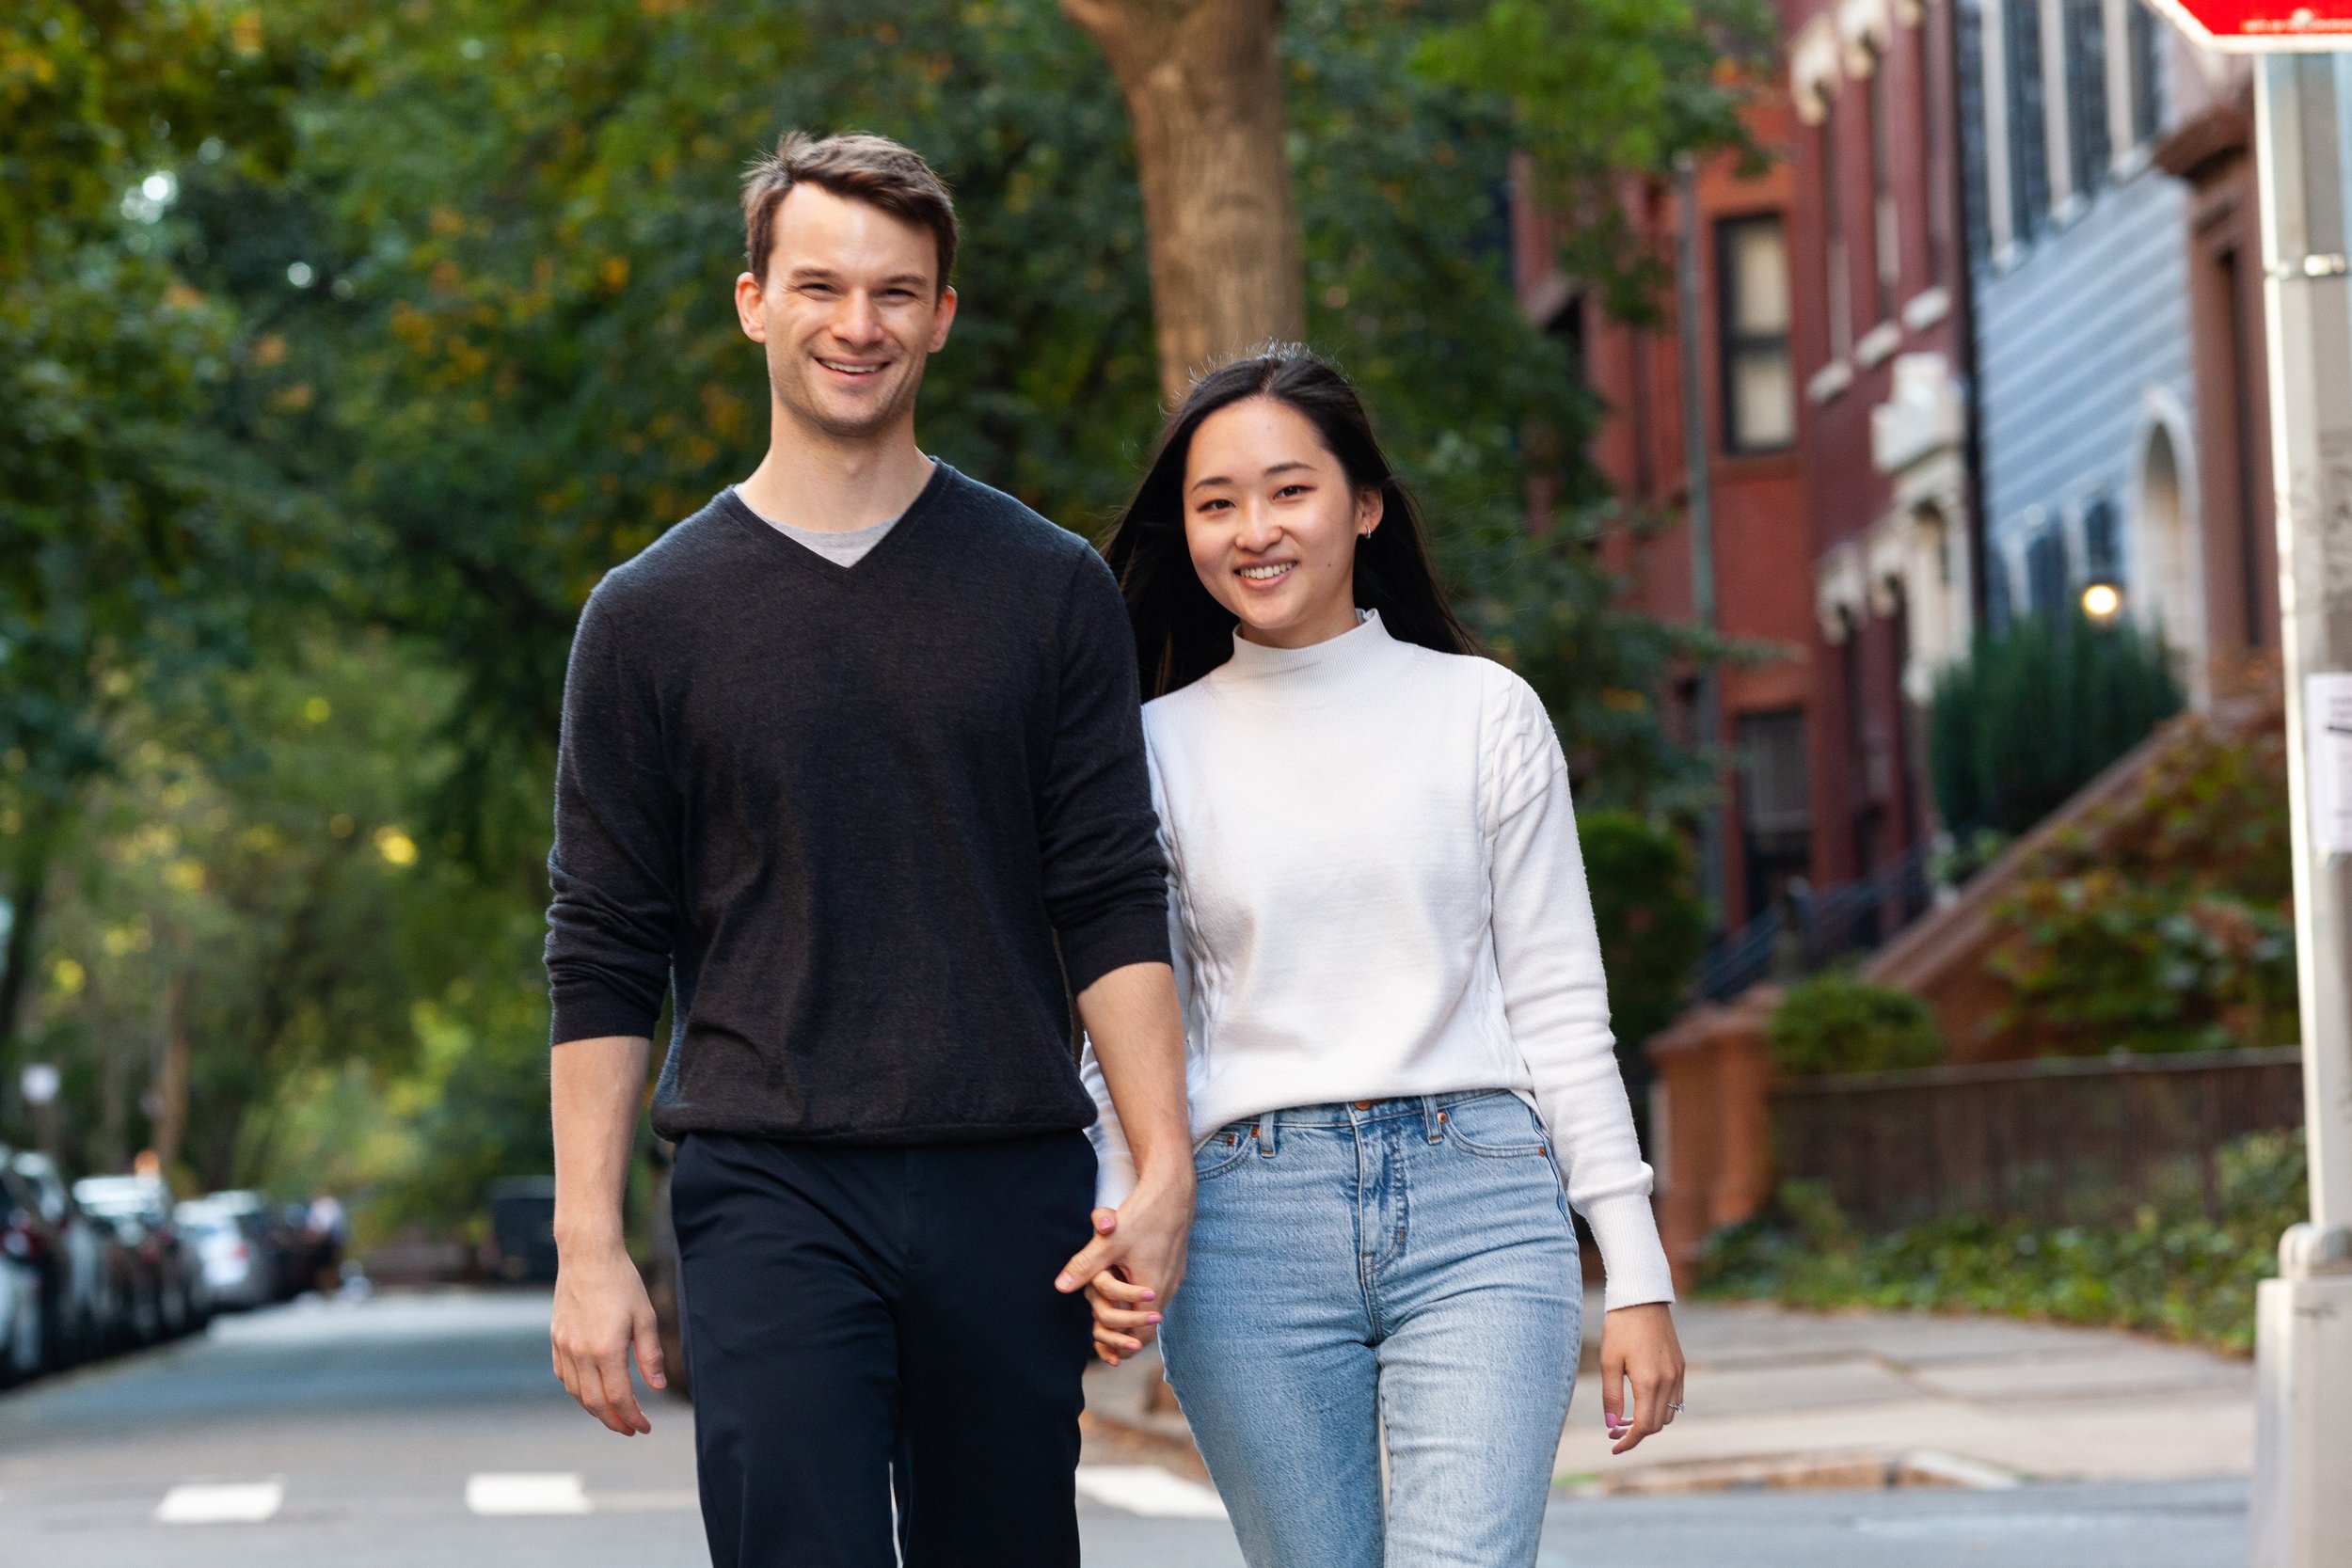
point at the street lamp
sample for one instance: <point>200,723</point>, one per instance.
<point>2103,602</point>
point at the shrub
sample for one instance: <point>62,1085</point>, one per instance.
<point>1837,1023</point>
<point>2166,924</point>
<point>2036,711</point>
<point>2168,1269</point>
<point>1653,927</point>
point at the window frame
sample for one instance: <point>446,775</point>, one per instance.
<point>1735,343</point>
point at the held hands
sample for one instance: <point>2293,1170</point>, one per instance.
<point>1638,1347</point>
<point>1132,1268</point>
<point>602,1313</point>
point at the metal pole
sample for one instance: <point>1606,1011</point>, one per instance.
<point>1699,511</point>
<point>2303,1507</point>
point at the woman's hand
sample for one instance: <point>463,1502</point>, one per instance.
<point>1638,1347</point>
<point>1125,1319</point>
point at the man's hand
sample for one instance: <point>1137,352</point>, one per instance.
<point>1638,1346</point>
<point>601,1314</point>
<point>1132,1267</point>
<point>601,1310</point>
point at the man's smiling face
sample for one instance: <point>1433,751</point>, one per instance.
<point>849,309</point>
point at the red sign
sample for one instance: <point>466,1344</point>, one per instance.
<point>2264,24</point>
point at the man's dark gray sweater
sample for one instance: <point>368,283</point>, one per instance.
<point>870,820</point>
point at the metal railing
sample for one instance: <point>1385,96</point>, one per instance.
<point>1811,929</point>
<point>2055,1141</point>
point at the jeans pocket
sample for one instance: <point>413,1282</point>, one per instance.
<point>1497,1127</point>
<point>1224,1151</point>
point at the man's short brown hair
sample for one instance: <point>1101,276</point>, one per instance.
<point>859,168</point>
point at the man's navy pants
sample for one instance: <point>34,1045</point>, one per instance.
<point>860,1318</point>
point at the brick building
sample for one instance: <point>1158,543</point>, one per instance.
<point>1748,399</point>
<point>1880,336</point>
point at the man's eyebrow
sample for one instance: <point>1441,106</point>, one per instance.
<point>809,273</point>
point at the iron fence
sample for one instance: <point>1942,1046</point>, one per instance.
<point>2056,1141</point>
<point>1810,930</point>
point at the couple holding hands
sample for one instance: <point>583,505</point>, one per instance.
<point>856,771</point>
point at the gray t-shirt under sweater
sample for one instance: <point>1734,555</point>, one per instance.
<point>843,548</point>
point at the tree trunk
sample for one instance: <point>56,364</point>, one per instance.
<point>1203,85</point>
<point>171,1075</point>
<point>28,880</point>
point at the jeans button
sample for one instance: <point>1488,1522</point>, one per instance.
<point>1363,1105</point>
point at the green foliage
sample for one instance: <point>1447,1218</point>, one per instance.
<point>1653,926</point>
<point>1601,89</point>
<point>141,545</point>
<point>2166,923</point>
<point>2169,1269</point>
<point>517,361</point>
<point>2036,711</point>
<point>254,877</point>
<point>1837,1023</point>
<point>424,323</point>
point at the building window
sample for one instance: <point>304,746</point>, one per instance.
<point>2090,150</point>
<point>2239,326</point>
<point>1759,394</point>
<point>2045,571</point>
<point>2102,558</point>
<point>1834,278</point>
<point>2147,73</point>
<point>1776,802</point>
<point>2029,130</point>
<point>1931,154</point>
<point>1975,199</point>
<point>1567,329</point>
<point>1886,240</point>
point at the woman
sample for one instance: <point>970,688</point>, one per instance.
<point>1397,1026</point>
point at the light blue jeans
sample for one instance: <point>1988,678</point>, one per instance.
<point>1397,1267</point>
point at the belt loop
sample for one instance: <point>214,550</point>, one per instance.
<point>1429,1117</point>
<point>1265,1134</point>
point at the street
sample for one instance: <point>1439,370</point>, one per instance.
<point>427,1429</point>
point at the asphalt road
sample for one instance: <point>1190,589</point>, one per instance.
<point>426,1430</point>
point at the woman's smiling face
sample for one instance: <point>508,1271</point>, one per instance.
<point>1272,522</point>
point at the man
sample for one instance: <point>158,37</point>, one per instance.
<point>852,763</point>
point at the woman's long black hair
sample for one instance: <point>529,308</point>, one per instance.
<point>1182,632</point>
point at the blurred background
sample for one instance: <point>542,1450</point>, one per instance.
<point>1850,417</point>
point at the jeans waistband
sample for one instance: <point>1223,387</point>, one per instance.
<point>1359,1112</point>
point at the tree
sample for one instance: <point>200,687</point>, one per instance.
<point>139,545</point>
<point>1203,85</point>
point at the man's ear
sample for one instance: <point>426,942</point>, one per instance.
<point>1371,506</point>
<point>749,297</point>
<point>945,320</point>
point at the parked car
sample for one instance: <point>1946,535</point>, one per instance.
<point>263,1225</point>
<point>166,1273</point>
<point>67,1250</point>
<point>237,1270</point>
<point>522,1224</point>
<point>20,1349</point>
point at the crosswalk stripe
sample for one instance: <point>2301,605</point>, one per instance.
<point>555,1492</point>
<point>1148,1490</point>
<point>247,1502</point>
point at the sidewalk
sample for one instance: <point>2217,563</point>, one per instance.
<point>1785,1399</point>
<point>2036,1401</point>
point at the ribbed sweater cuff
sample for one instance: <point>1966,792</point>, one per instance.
<point>1136,935</point>
<point>593,1013</point>
<point>1630,1253</point>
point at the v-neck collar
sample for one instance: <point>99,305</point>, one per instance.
<point>926,501</point>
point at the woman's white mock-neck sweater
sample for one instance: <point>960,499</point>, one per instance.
<point>1377,890</point>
